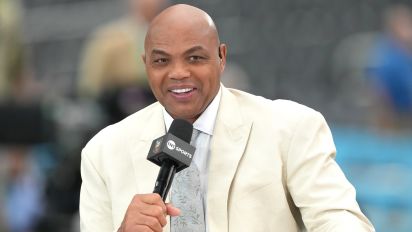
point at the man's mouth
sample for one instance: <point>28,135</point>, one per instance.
<point>181,91</point>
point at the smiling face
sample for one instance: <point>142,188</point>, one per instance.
<point>182,61</point>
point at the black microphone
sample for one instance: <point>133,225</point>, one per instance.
<point>173,153</point>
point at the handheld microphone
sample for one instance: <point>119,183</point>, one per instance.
<point>173,153</point>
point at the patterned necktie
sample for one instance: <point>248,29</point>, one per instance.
<point>187,196</point>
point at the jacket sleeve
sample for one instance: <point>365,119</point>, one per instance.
<point>95,203</point>
<point>326,199</point>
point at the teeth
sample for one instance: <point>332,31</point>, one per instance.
<point>181,90</point>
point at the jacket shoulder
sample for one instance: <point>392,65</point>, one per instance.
<point>259,107</point>
<point>128,129</point>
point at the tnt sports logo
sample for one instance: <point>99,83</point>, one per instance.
<point>171,144</point>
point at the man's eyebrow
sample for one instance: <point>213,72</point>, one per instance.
<point>156,51</point>
<point>194,49</point>
<point>159,52</point>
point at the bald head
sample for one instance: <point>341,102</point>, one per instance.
<point>185,19</point>
<point>184,60</point>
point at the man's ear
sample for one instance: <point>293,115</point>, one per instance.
<point>144,58</point>
<point>222,50</point>
<point>222,55</point>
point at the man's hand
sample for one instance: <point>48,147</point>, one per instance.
<point>147,212</point>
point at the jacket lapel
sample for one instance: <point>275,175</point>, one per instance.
<point>144,170</point>
<point>230,137</point>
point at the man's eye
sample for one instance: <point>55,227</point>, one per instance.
<point>160,61</point>
<point>195,58</point>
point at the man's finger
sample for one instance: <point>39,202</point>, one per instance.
<point>152,199</point>
<point>172,211</point>
<point>156,212</point>
<point>150,222</point>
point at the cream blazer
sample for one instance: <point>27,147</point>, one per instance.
<point>271,168</point>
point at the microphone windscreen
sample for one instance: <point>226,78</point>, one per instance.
<point>181,129</point>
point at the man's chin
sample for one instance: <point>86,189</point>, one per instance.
<point>184,114</point>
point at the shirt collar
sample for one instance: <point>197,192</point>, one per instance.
<point>206,122</point>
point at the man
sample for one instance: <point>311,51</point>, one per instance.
<point>390,70</point>
<point>111,71</point>
<point>264,165</point>
<point>11,50</point>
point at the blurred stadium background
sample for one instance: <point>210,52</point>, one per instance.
<point>314,52</point>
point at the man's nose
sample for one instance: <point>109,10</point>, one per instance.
<point>179,71</point>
